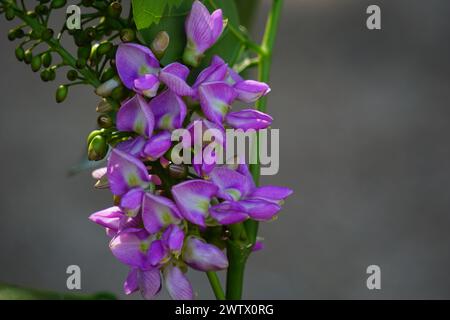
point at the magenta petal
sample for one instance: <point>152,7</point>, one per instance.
<point>228,212</point>
<point>198,28</point>
<point>133,61</point>
<point>203,256</point>
<point>193,199</point>
<point>232,184</point>
<point>215,100</point>
<point>177,284</point>
<point>249,119</point>
<point>132,146</point>
<point>131,283</point>
<point>126,247</point>
<point>271,193</point>
<point>174,77</point>
<point>158,145</point>
<point>131,201</point>
<point>147,85</point>
<point>250,90</point>
<point>149,283</point>
<point>216,24</point>
<point>158,212</point>
<point>108,218</point>
<point>259,209</point>
<point>173,238</point>
<point>217,71</point>
<point>125,172</point>
<point>135,115</point>
<point>169,110</point>
<point>157,253</point>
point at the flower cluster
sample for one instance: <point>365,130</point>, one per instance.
<point>162,210</point>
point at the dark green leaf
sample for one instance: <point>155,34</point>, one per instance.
<point>148,12</point>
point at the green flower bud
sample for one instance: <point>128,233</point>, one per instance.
<point>47,34</point>
<point>72,75</point>
<point>46,59</point>
<point>104,121</point>
<point>104,48</point>
<point>114,9</point>
<point>93,55</point>
<point>127,35</point>
<point>160,43</point>
<point>84,52</point>
<point>36,35</point>
<point>45,75</point>
<point>56,4</point>
<point>36,63</point>
<point>97,148</point>
<point>12,34</point>
<point>9,13</point>
<point>118,93</point>
<point>106,88</point>
<point>52,74</point>
<point>104,106</point>
<point>92,135</point>
<point>61,93</point>
<point>28,56</point>
<point>20,53</point>
<point>107,74</point>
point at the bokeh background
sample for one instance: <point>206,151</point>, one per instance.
<point>365,122</point>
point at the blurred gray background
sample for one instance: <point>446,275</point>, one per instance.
<point>365,121</point>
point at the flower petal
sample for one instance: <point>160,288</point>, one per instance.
<point>174,77</point>
<point>147,85</point>
<point>149,283</point>
<point>193,199</point>
<point>131,283</point>
<point>228,212</point>
<point>173,238</point>
<point>250,90</point>
<point>158,145</point>
<point>177,284</point>
<point>215,100</point>
<point>158,212</point>
<point>217,71</point>
<point>169,110</point>
<point>135,115</point>
<point>131,201</point>
<point>203,256</point>
<point>216,24</point>
<point>198,28</point>
<point>271,193</point>
<point>132,146</point>
<point>133,61</point>
<point>108,218</point>
<point>157,253</point>
<point>232,184</point>
<point>126,247</point>
<point>248,119</point>
<point>125,172</point>
<point>259,209</point>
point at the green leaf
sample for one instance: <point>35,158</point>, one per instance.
<point>148,12</point>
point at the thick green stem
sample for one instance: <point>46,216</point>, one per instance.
<point>215,285</point>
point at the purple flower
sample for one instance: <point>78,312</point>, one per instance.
<point>248,91</point>
<point>135,115</point>
<point>177,284</point>
<point>202,30</point>
<point>248,119</point>
<point>158,212</point>
<point>148,282</point>
<point>169,110</point>
<point>203,256</point>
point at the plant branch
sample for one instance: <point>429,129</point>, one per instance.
<point>215,285</point>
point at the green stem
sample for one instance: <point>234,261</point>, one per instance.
<point>215,285</point>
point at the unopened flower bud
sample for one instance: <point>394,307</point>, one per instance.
<point>160,43</point>
<point>61,93</point>
<point>72,75</point>
<point>114,9</point>
<point>105,89</point>
<point>104,106</point>
<point>46,59</point>
<point>178,171</point>
<point>127,35</point>
<point>104,121</point>
<point>92,135</point>
<point>84,52</point>
<point>108,74</point>
<point>104,48</point>
<point>9,13</point>
<point>97,148</point>
<point>28,56</point>
<point>118,93</point>
<point>36,63</point>
<point>20,53</point>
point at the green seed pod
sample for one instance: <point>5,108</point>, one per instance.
<point>160,43</point>
<point>28,56</point>
<point>41,9</point>
<point>92,135</point>
<point>56,4</point>
<point>20,53</point>
<point>127,35</point>
<point>46,59</point>
<point>84,52</point>
<point>47,34</point>
<point>72,75</point>
<point>107,74</point>
<point>114,9</point>
<point>61,93</point>
<point>9,13</point>
<point>97,148</point>
<point>104,48</point>
<point>36,63</point>
<point>104,121</point>
<point>80,63</point>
